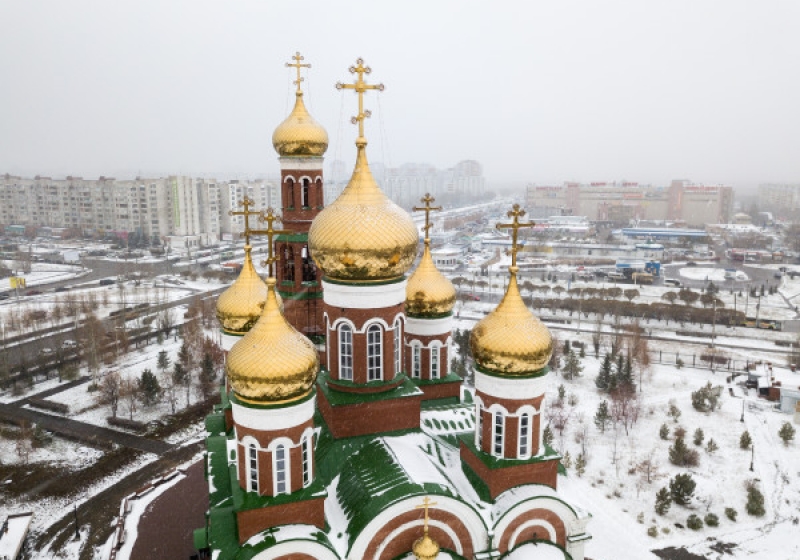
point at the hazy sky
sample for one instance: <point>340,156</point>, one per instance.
<point>537,91</point>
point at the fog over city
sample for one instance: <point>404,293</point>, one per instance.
<point>540,92</point>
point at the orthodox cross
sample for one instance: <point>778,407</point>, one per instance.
<point>426,503</point>
<point>516,213</point>
<point>297,58</point>
<point>246,203</point>
<point>427,199</point>
<point>270,217</point>
<point>360,86</point>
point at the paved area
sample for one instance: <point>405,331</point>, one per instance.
<point>165,529</point>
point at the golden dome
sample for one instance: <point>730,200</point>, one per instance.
<point>428,292</point>
<point>300,134</point>
<point>425,548</point>
<point>510,340</point>
<point>273,363</point>
<point>363,236</point>
<point>240,306</point>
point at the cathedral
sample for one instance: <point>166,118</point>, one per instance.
<point>342,433</point>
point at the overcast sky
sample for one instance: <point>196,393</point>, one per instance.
<point>537,91</point>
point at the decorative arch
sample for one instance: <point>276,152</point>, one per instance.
<point>301,549</point>
<point>460,517</point>
<point>510,528</point>
<point>374,351</point>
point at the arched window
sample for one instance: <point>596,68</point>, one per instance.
<point>524,435</point>
<point>290,193</point>
<point>398,346</point>
<point>252,457</point>
<point>304,194</point>
<point>309,269</point>
<point>281,470</point>
<point>374,354</point>
<point>416,361</point>
<point>435,362</point>
<point>346,352</point>
<point>497,434</point>
<point>288,263</point>
<point>306,453</point>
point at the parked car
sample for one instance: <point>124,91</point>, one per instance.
<point>672,282</point>
<point>69,344</point>
<point>46,351</point>
<point>106,282</point>
<point>4,295</point>
<point>33,292</point>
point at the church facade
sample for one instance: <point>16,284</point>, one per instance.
<point>342,433</point>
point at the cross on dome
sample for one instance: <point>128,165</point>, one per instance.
<point>427,199</point>
<point>426,503</point>
<point>270,217</point>
<point>297,64</point>
<point>516,213</point>
<point>246,202</point>
<point>360,86</point>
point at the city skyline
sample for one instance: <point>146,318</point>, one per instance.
<point>540,94</point>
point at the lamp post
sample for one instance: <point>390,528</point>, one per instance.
<point>752,455</point>
<point>742,418</point>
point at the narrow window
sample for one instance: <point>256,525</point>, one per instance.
<point>280,470</point>
<point>374,354</point>
<point>498,434</point>
<point>416,366</point>
<point>346,353</point>
<point>524,435</point>
<point>288,263</point>
<point>434,362</point>
<point>309,268</point>
<point>253,467</point>
<point>305,193</point>
<point>398,345</point>
<point>306,451</point>
<point>290,193</point>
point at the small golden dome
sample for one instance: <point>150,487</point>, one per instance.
<point>425,548</point>
<point>428,292</point>
<point>511,340</point>
<point>273,363</point>
<point>300,134</point>
<point>363,236</point>
<point>240,306</point>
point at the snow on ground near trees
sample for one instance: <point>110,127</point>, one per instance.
<point>711,274</point>
<point>615,497</point>
<point>45,273</point>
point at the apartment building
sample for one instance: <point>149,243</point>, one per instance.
<point>779,198</point>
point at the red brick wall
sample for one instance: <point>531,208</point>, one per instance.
<point>425,355</point>
<point>297,218</point>
<point>510,444</point>
<point>370,417</point>
<point>307,512</point>
<point>441,390</point>
<point>501,479</point>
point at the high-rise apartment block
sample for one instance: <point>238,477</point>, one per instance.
<point>779,198</point>
<point>179,210</point>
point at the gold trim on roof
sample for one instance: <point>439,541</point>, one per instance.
<point>240,306</point>
<point>299,134</point>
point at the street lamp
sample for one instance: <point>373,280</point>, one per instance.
<point>742,418</point>
<point>752,455</point>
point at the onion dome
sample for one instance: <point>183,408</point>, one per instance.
<point>273,363</point>
<point>511,340</point>
<point>300,134</point>
<point>240,306</point>
<point>363,236</point>
<point>429,293</point>
<point>425,548</point>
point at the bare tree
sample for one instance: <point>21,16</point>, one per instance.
<point>23,444</point>
<point>129,393</point>
<point>109,391</point>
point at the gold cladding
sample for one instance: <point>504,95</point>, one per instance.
<point>363,236</point>
<point>428,292</point>
<point>300,134</point>
<point>273,363</point>
<point>425,548</point>
<point>511,340</point>
<point>240,306</point>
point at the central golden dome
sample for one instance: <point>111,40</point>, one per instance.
<point>429,293</point>
<point>425,548</point>
<point>300,134</point>
<point>511,340</point>
<point>363,236</point>
<point>240,306</point>
<point>273,363</point>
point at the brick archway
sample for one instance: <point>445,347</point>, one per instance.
<point>535,524</point>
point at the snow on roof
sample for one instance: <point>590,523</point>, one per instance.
<point>11,541</point>
<point>539,550</point>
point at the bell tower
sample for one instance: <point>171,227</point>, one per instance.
<point>300,142</point>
